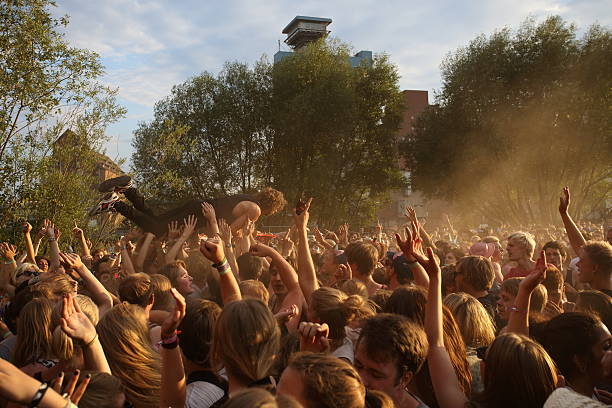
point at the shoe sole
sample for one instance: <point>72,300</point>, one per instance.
<point>109,185</point>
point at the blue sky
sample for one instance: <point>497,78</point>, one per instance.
<point>148,46</point>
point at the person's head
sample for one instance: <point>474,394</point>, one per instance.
<point>180,279</point>
<point>136,289</point>
<point>62,345</point>
<point>474,322</point>
<point>103,391</point>
<point>270,201</point>
<point>337,309</point>
<point>506,363</point>
<point>162,296</point>
<point>101,265</point>
<point>509,291</point>
<point>33,332</point>
<point>362,257</point>
<point>555,253</point>
<point>98,254</point>
<point>595,262</point>
<point>330,263</point>
<point>389,352</point>
<point>254,289</point>
<point>246,340</point>
<point>43,263</point>
<point>400,270</point>
<point>577,342</point>
<point>408,301</point>
<point>57,285</point>
<point>474,274</point>
<point>324,381</point>
<point>597,303</point>
<point>278,287</point>
<point>520,246</point>
<point>380,298</point>
<point>260,398</point>
<point>196,331</point>
<point>448,279</point>
<point>354,287</point>
<point>250,267</point>
<point>453,255</point>
<point>553,282</point>
<point>124,336</point>
<point>24,272</point>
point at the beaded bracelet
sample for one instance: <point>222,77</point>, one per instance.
<point>39,395</point>
<point>222,267</point>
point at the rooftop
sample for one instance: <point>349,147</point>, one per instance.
<point>307,19</point>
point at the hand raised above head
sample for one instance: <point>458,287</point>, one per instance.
<point>564,200</point>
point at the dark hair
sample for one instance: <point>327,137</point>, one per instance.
<point>390,337</point>
<point>95,268</point>
<point>408,301</point>
<point>556,245</point>
<point>270,201</point>
<point>196,331</point>
<point>477,271</point>
<point>380,299</point>
<point>249,266</point>
<point>402,270</point>
<point>136,289</point>
<point>567,336</point>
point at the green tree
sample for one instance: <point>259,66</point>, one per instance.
<point>46,87</point>
<point>334,131</point>
<point>208,137</point>
<point>520,115</point>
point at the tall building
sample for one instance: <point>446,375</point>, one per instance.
<point>303,30</point>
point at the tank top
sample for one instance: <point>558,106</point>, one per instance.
<point>224,206</point>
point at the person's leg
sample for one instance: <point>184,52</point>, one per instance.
<point>138,201</point>
<point>192,207</point>
<point>145,221</point>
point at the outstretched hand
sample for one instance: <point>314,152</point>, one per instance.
<point>564,200</point>
<point>73,260</point>
<point>75,323</point>
<point>412,244</point>
<point>536,276</point>
<point>71,390</point>
<point>208,211</point>
<point>301,215</point>
<point>189,225</point>
<point>169,326</point>
<point>212,248</point>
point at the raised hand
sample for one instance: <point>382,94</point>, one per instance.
<point>564,200</point>
<point>189,225</point>
<point>301,216</point>
<point>75,323</point>
<point>212,248</point>
<point>208,211</point>
<point>313,337</point>
<point>537,275</point>
<point>379,226</point>
<point>72,392</point>
<point>26,228</point>
<point>76,231</point>
<point>412,244</point>
<point>225,231</point>
<point>8,251</point>
<point>168,327</point>
<point>343,272</point>
<point>73,260</point>
<point>286,244</point>
<point>173,230</point>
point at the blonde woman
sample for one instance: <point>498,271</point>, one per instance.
<point>124,334</point>
<point>476,328</point>
<point>246,343</point>
<point>33,348</point>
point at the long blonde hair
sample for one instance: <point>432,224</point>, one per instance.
<point>246,340</point>
<point>33,332</point>
<point>125,338</point>
<point>473,320</point>
<point>62,345</point>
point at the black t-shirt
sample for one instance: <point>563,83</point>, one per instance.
<point>489,301</point>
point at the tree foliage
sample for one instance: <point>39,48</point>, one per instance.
<point>520,115</point>
<point>46,87</point>
<point>311,124</point>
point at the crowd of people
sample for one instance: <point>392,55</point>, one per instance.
<point>193,308</point>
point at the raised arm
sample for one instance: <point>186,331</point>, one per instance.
<point>574,235</point>
<point>127,267</point>
<point>287,275</point>
<point>99,294</point>
<point>213,250</point>
<point>413,244</point>
<point>142,251</point>
<point>226,235</point>
<point>307,276</point>
<point>208,211</point>
<point>519,314</point>
<point>27,238</point>
<point>189,225</point>
<point>7,252</point>
<point>320,239</point>
<point>173,390</point>
<point>79,235</point>
<point>78,326</point>
<point>53,235</point>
